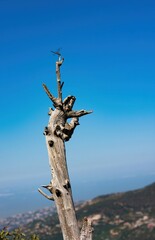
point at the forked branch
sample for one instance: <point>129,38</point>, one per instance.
<point>56,101</point>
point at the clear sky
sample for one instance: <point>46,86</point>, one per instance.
<point>109,51</point>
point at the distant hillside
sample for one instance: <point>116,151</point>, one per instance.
<point>121,216</point>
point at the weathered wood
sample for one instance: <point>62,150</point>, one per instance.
<point>56,133</point>
<point>87,230</point>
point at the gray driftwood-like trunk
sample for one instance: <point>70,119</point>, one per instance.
<point>56,133</point>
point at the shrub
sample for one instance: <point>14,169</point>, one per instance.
<point>16,234</point>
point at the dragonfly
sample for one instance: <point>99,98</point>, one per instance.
<point>57,52</point>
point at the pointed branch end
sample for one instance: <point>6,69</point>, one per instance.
<point>48,92</point>
<point>84,112</point>
<point>45,195</point>
<point>91,111</point>
<point>44,86</point>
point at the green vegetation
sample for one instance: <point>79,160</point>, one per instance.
<point>16,234</point>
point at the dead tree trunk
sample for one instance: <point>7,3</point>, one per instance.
<point>56,133</point>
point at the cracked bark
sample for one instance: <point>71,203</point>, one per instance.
<point>56,133</point>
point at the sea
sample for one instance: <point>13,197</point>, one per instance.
<point>23,196</point>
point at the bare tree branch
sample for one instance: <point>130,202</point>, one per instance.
<point>56,101</point>
<point>80,113</point>
<point>52,98</point>
<point>58,64</point>
<point>45,195</point>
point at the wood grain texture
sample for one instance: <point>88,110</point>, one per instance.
<point>56,133</point>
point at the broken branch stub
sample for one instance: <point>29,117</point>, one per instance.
<point>87,230</point>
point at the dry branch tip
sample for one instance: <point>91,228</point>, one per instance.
<point>45,195</point>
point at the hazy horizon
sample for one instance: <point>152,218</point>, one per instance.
<point>25,198</point>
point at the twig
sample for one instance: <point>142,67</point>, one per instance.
<point>45,195</point>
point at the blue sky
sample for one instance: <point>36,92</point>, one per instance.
<point>109,51</point>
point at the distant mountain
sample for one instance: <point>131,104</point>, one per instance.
<point>120,216</point>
